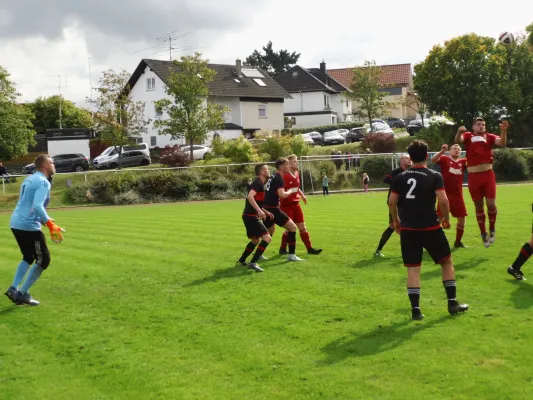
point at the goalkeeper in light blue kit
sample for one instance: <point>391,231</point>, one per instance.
<point>26,223</point>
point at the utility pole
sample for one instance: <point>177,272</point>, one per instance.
<point>60,115</point>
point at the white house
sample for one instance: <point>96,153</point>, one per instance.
<point>317,98</point>
<point>254,99</point>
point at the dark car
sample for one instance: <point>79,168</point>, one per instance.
<point>356,135</point>
<point>317,138</point>
<point>64,163</point>
<point>414,127</point>
<point>396,123</point>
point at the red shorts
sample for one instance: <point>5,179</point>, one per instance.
<point>294,211</point>
<point>482,185</point>
<point>457,206</point>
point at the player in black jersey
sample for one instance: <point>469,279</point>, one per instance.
<point>412,206</point>
<point>525,253</point>
<point>253,217</point>
<point>274,190</point>
<point>405,162</point>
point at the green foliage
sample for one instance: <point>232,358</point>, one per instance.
<point>272,62</point>
<point>435,136</point>
<point>46,114</point>
<point>299,147</point>
<point>510,165</point>
<point>528,156</point>
<point>327,128</point>
<point>239,151</point>
<point>276,147</point>
<point>379,143</point>
<point>188,115</point>
<point>16,129</point>
<point>376,166</point>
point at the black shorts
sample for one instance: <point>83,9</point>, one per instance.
<point>280,218</point>
<point>255,228</point>
<point>413,244</point>
<point>33,247</point>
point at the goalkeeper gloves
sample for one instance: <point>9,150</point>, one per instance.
<point>55,231</point>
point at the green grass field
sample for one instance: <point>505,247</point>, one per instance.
<point>146,303</point>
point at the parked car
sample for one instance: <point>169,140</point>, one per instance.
<point>307,139</point>
<point>343,132</point>
<point>317,138</point>
<point>64,163</point>
<point>356,135</point>
<point>414,127</point>
<point>378,120</point>
<point>199,152</point>
<point>378,127</point>
<point>396,123</point>
<point>333,137</point>
<point>134,158</point>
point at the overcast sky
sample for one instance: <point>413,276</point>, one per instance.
<point>43,39</point>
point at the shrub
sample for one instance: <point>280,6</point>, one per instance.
<point>240,151</point>
<point>436,135</point>
<point>299,147</point>
<point>528,156</point>
<point>105,190</point>
<point>175,156</point>
<point>379,143</point>
<point>510,165</point>
<point>205,186</point>
<point>376,166</point>
<point>157,183</point>
<point>181,189</point>
<point>77,195</point>
<point>129,197</point>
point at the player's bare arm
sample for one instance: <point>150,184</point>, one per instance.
<point>435,159</point>
<point>303,196</point>
<point>502,140</point>
<point>284,194</point>
<point>444,208</point>
<point>459,137</point>
<point>251,200</point>
<point>393,206</point>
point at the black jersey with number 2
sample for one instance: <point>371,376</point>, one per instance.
<point>416,189</point>
<point>259,189</point>
<point>271,191</point>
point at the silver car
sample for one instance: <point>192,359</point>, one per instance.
<point>134,158</point>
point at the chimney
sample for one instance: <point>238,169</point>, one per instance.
<point>238,67</point>
<point>323,67</point>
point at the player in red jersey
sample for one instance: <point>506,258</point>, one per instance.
<point>452,169</point>
<point>291,207</point>
<point>481,178</point>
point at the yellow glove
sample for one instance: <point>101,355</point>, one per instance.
<point>55,231</point>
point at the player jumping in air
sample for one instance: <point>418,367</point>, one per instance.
<point>26,223</point>
<point>253,217</point>
<point>405,162</point>
<point>452,168</point>
<point>525,253</point>
<point>481,178</point>
<point>412,206</point>
<point>291,207</point>
<point>274,192</point>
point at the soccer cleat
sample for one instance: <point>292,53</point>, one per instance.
<point>454,307</point>
<point>283,252</point>
<point>416,314</point>
<point>25,298</point>
<point>460,245</point>
<point>294,257</point>
<point>492,236</point>
<point>242,263</point>
<point>314,251</point>
<point>486,240</point>
<point>263,258</point>
<point>255,267</point>
<point>378,253</point>
<point>11,293</point>
<point>518,275</point>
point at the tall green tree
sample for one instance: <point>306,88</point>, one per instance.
<point>16,129</point>
<point>273,62</point>
<point>529,30</point>
<point>46,112</point>
<point>118,120</point>
<point>366,92</point>
<point>188,114</point>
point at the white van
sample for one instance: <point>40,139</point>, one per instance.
<point>112,153</point>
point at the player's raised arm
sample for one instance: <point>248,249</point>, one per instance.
<point>435,159</point>
<point>502,140</point>
<point>459,137</point>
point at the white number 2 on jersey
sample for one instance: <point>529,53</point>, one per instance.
<point>412,182</point>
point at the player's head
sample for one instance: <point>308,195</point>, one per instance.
<point>262,170</point>
<point>293,162</point>
<point>405,161</point>
<point>455,150</point>
<point>44,163</point>
<point>282,165</point>
<point>479,125</point>
<point>418,150</point>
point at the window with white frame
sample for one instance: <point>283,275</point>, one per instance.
<point>262,110</point>
<point>326,100</point>
<point>153,140</point>
<point>150,83</point>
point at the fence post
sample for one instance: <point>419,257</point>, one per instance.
<point>4,186</point>
<point>311,176</point>
<point>85,178</point>
<point>302,173</point>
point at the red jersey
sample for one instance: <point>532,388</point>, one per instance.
<point>453,173</point>
<point>479,148</point>
<point>291,181</point>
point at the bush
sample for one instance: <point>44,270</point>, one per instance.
<point>175,156</point>
<point>240,151</point>
<point>510,165</point>
<point>157,183</point>
<point>77,195</point>
<point>376,166</point>
<point>435,136</point>
<point>276,147</point>
<point>379,143</point>
<point>299,147</point>
<point>105,190</point>
<point>129,197</point>
<point>528,156</point>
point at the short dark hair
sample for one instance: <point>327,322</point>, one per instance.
<point>258,168</point>
<point>418,151</point>
<point>281,161</point>
<point>479,119</point>
<point>40,160</point>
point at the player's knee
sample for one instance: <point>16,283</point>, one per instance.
<point>255,241</point>
<point>447,263</point>
<point>44,260</point>
<point>29,258</point>
<point>267,238</point>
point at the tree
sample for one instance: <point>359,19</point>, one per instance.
<point>365,90</point>
<point>412,101</point>
<point>46,112</point>
<point>189,114</point>
<point>16,132</point>
<point>271,61</point>
<point>529,30</point>
<point>118,119</point>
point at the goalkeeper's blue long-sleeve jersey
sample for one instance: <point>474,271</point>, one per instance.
<point>30,210</point>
